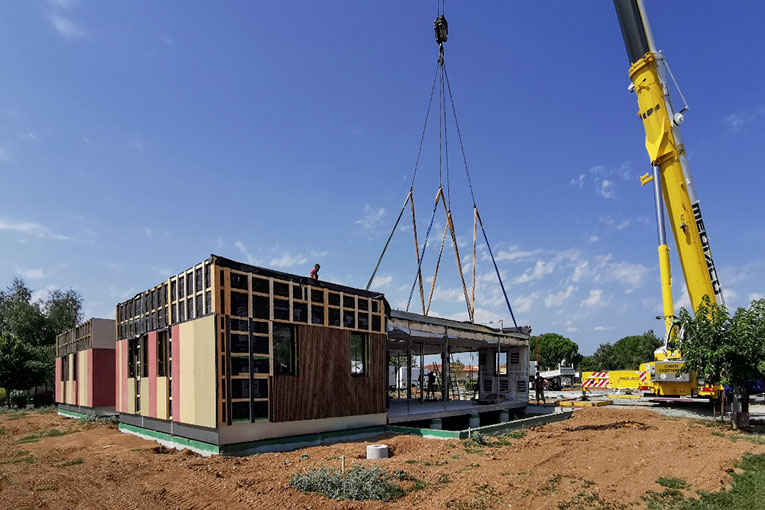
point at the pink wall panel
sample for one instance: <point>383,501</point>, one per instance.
<point>124,363</point>
<point>58,381</point>
<point>176,384</point>
<point>91,380</point>
<point>102,386</point>
<point>153,374</point>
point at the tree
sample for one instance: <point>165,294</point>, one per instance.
<point>28,333</point>
<point>625,354</point>
<point>629,352</point>
<point>726,350</point>
<point>553,348</point>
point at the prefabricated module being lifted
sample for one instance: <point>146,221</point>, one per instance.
<point>674,193</point>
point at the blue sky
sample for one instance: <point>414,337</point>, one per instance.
<point>137,138</point>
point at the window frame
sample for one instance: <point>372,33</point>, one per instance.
<point>365,354</point>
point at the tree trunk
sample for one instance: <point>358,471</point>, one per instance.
<point>740,411</point>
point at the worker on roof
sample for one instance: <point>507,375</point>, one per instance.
<point>315,272</point>
<point>539,385</point>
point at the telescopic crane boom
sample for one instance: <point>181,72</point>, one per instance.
<point>673,187</point>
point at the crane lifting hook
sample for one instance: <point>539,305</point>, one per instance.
<point>442,31</point>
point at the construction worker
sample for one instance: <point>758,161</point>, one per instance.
<point>539,385</point>
<point>315,272</point>
<point>431,386</point>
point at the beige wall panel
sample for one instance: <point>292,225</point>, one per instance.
<point>83,384</point>
<point>144,396</point>
<point>131,395</point>
<point>188,383</point>
<point>204,372</point>
<point>162,398</point>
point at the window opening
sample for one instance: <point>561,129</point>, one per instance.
<point>285,350</point>
<point>358,354</point>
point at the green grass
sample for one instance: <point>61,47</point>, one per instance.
<point>672,483</point>
<point>3,431</point>
<point>46,488</point>
<point>35,437</point>
<point>747,491</point>
<point>19,457</point>
<point>73,462</point>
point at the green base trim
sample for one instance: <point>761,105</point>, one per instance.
<point>296,440</point>
<point>176,440</point>
<point>444,434</point>
<point>71,414</point>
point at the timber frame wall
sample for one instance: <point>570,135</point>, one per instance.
<point>220,318</point>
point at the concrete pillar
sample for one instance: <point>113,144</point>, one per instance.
<point>408,372</point>
<point>436,424</point>
<point>504,416</point>
<point>475,421</point>
<point>422,372</point>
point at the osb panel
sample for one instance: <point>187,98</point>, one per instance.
<point>324,386</point>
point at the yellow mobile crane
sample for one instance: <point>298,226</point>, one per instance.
<point>673,192</point>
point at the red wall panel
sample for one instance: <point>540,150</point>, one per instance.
<point>102,382</point>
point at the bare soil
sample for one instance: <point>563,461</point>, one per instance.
<point>601,456</point>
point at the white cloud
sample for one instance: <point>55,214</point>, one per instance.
<point>247,255</point>
<point>572,330</point>
<point>595,299</point>
<point>381,281</point>
<point>161,271</point>
<point>41,295</point>
<point>523,304</point>
<point>603,328</point>
<point>34,274</point>
<point>287,260</point>
<point>580,271</point>
<point>67,28</point>
<point>558,298</point>
<point>513,254</point>
<point>318,253</point>
<point>539,270</point>
<point>755,296</point>
<point>63,4</point>
<point>627,274</point>
<point>606,189</point>
<point>35,229</point>
<point>148,231</point>
<point>594,238</point>
<point>736,121</point>
<point>121,295</point>
<point>371,216</point>
<point>6,154</point>
<point>684,301</point>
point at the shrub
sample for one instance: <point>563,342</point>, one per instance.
<point>359,483</point>
<point>20,401</point>
<point>43,399</point>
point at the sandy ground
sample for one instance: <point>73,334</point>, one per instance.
<point>608,456</point>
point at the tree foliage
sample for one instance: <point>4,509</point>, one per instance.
<point>725,349</point>
<point>28,332</point>
<point>553,348</point>
<point>625,354</point>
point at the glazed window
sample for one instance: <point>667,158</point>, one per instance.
<point>358,354</point>
<point>285,350</point>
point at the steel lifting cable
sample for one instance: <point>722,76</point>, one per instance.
<point>472,195</point>
<point>414,175</point>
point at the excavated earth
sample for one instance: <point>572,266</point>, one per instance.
<point>601,456</point>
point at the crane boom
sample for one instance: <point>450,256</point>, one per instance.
<point>673,185</point>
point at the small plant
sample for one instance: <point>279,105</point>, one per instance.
<point>551,485</point>
<point>478,438</point>
<point>359,483</point>
<point>35,437</point>
<point>672,483</point>
<point>412,461</point>
<point>73,462</point>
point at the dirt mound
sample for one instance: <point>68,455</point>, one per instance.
<point>600,457</point>
<point>627,424</point>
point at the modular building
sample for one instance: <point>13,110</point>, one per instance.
<point>85,369</point>
<point>227,357</point>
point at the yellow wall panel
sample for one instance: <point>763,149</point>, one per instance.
<point>188,383</point>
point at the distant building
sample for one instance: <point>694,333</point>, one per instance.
<point>85,368</point>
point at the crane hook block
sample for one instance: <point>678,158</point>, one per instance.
<point>442,29</point>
